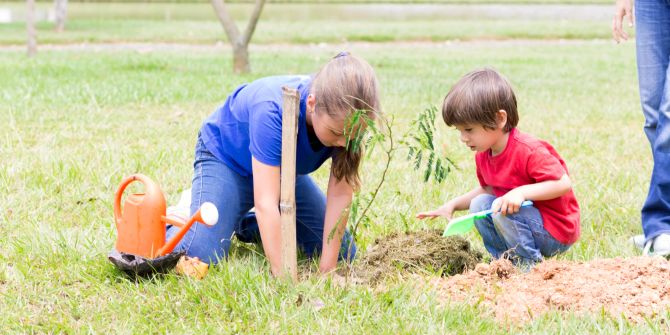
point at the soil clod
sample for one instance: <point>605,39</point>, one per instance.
<point>635,287</point>
<point>425,251</point>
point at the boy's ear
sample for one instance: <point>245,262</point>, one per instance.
<point>501,118</point>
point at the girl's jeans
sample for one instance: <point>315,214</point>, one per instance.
<point>233,196</point>
<point>520,236</point>
<point>653,54</point>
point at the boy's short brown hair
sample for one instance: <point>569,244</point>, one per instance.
<point>477,97</point>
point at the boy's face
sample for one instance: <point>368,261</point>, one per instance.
<point>478,138</point>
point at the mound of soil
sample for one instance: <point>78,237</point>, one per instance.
<point>635,287</point>
<point>423,251</point>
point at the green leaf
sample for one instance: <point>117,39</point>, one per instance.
<point>421,141</point>
<point>417,160</point>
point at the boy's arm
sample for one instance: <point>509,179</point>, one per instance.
<point>462,202</point>
<point>546,190</point>
<point>459,203</point>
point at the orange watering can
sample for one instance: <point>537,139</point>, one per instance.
<point>142,220</point>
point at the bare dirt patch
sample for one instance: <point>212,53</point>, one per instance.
<point>635,287</point>
<point>423,252</point>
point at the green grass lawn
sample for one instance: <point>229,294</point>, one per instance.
<point>197,23</point>
<point>75,123</point>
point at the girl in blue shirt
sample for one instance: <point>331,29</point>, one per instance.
<point>238,156</point>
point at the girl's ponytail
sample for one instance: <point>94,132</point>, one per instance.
<point>345,165</point>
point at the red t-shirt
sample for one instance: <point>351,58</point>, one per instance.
<point>528,160</point>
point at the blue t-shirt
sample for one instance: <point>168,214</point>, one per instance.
<point>250,122</point>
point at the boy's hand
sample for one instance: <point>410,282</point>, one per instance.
<point>510,203</point>
<point>446,211</point>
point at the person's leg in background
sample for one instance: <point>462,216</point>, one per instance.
<point>653,56</point>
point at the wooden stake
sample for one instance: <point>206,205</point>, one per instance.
<point>290,113</point>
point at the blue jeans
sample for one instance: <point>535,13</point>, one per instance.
<point>519,236</point>
<point>653,54</point>
<point>233,196</point>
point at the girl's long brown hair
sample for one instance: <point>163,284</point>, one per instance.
<point>346,84</point>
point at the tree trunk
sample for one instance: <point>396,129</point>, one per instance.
<point>241,58</point>
<point>60,9</point>
<point>239,41</point>
<point>30,27</point>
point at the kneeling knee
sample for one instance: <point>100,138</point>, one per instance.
<point>481,202</point>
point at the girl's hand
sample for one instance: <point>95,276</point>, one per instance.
<point>446,211</point>
<point>510,203</point>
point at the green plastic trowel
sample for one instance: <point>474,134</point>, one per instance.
<point>463,224</point>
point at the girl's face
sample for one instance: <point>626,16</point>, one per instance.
<point>329,131</point>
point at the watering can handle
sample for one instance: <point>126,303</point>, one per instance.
<point>122,187</point>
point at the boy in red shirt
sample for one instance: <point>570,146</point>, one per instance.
<point>511,167</point>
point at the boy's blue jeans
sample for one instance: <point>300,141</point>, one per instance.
<point>521,235</point>
<point>233,196</point>
<point>652,19</point>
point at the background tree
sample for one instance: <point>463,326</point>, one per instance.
<point>60,11</point>
<point>30,27</point>
<point>239,42</point>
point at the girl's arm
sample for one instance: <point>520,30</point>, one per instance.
<point>266,202</point>
<point>338,199</point>
<point>546,190</point>
<point>461,202</point>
